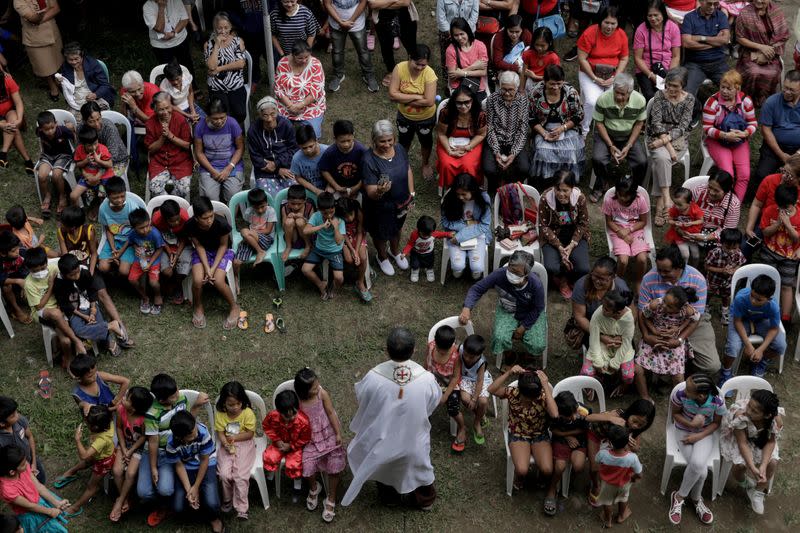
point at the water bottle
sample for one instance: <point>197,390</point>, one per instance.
<point>44,385</point>
<point>438,98</point>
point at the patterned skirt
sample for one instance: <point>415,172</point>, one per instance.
<point>534,340</point>
<point>550,157</point>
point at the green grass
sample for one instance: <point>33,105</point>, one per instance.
<point>341,340</point>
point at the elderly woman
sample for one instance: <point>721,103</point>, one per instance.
<point>667,135</point>
<point>218,148</point>
<point>300,87</point>
<point>520,314</point>
<point>168,141</point>
<point>83,80</point>
<point>656,48</point>
<point>505,157</point>
<point>41,38</point>
<point>556,115</point>
<point>565,234</point>
<point>271,143</point>
<point>467,60</point>
<point>762,32</point>
<point>389,185</point>
<point>729,120</point>
<point>602,54</point>
<point>587,297</point>
<point>224,55</point>
<point>413,88</point>
<point>107,134</point>
<point>720,206</point>
<point>461,131</point>
<point>12,116</point>
<point>136,97</point>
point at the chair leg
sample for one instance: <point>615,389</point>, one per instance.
<point>509,475</point>
<point>565,478</point>
<point>48,347</point>
<point>261,481</point>
<point>278,474</point>
<point>499,363</point>
<point>715,479</point>
<point>797,348</point>
<point>544,359</point>
<point>453,427</point>
<point>494,404</point>
<point>668,461</point>
<point>724,474</point>
<point>187,287</point>
<point>445,261</point>
<point>6,321</point>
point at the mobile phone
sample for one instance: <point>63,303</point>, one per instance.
<point>754,241</point>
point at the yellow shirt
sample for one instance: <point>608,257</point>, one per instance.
<point>246,421</point>
<point>417,86</point>
<point>34,289</point>
<point>103,444</point>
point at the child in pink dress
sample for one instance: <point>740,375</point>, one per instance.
<point>626,214</point>
<point>444,363</point>
<point>324,453</point>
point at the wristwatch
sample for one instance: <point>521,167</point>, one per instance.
<point>703,38</point>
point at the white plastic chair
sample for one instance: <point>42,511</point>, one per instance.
<point>439,108</point>
<point>219,209</point>
<point>62,119</point>
<point>743,385</point>
<point>118,119</point>
<point>694,182</point>
<point>673,456</point>
<point>797,308</point>
<point>540,271</point>
<point>684,159</point>
<point>288,385</point>
<point>4,317</point>
<point>135,198</point>
<point>257,470</point>
<point>446,259</point>
<point>748,273</point>
<point>648,229</point>
<point>708,161</point>
<point>191,398</point>
<point>576,385</point>
<point>155,202</point>
<point>248,85</point>
<point>158,70</point>
<point>534,248</point>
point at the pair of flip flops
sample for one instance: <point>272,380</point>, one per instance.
<point>271,324</point>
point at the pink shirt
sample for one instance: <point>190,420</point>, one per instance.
<point>23,486</point>
<point>660,53</point>
<point>626,215</point>
<point>477,52</point>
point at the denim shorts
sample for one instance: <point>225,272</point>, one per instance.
<point>316,257</point>
<point>544,437</point>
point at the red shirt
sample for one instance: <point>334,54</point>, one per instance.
<point>296,434</point>
<point>170,156</point>
<point>766,189</point>
<point>681,5</point>
<point>536,63</point>
<point>169,233</point>
<point>23,486</point>
<point>92,169</point>
<point>6,103</point>
<point>530,6</point>
<point>145,102</point>
<point>498,49</point>
<point>601,49</point>
<point>780,243</point>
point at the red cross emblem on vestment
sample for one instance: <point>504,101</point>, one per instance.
<point>401,375</point>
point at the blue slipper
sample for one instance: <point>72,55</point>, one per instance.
<point>63,481</point>
<point>73,515</point>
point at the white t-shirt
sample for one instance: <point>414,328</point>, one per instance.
<point>180,97</point>
<point>174,13</point>
<point>345,10</point>
<point>259,222</point>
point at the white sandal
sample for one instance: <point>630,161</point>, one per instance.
<point>328,512</point>
<point>313,498</point>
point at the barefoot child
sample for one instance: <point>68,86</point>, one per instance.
<point>176,261</point>
<point>37,508</point>
<point>619,469</point>
<point>259,235</point>
<point>288,430</point>
<point>611,330</point>
<point>444,363</point>
<point>474,385</point>
<point>54,161</point>
<point>568,432</point>
<point>148,246</point>
<point>324,454</point>
<point>100,452</point>
<point>12,276</point>
<point>330,231</point>
<point>130,434</point>
<point>92,385</point>
<point>235,425</point>
<point>295,213</point>
<point>355,251</point>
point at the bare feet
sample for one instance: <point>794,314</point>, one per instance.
<point>116,511</point>
<point>427,172</point>
<point>624,516</point>
<point>305,252</point>
<point>285,254</point>
<point>22,317</point>
<point>606,523</point>
<point>260,255</point>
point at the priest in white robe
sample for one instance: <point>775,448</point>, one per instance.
<point>392,443</point>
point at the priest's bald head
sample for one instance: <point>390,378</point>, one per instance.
<point>400,344</point>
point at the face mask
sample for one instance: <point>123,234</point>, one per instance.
<point>513,278</point>
<point>42,274</point>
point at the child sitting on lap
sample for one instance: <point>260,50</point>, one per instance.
<point>78,238</point>
<point>330,231</point>
<point>94,161</point>
<point>611,330</point>
<point>113,218</point>
<point>176,263</point>
<point>12,275</point>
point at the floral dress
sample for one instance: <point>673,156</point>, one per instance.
<point>297,87</point>
<point>662,360</point>
<point>442,371</point>
<point>321,454</point>
<point>527,419</point>
<point>736,418</point>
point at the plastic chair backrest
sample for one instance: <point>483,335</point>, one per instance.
<point>248,70</point>
<point>64,117</point>
<point>286,385</point>
<point>648,229</point>
<point>453,322</point>
<point>118,119</point>
<point>679,387</point>
<point>136,198</point>
<point>540,271</point>
<point>749,272</point>
<point>743,385</point>
<point>156,201</point>
<point>439,108</point>
<point>157,71</point>
<point>191,398</point>
<point>695,182</point>
<point>576,384</point>
<point>238,203</point>
<point>528,191</point>
<point>105,69</point>
<point>504,408</point>
<point>259,407</point>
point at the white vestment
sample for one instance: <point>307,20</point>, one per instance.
<point>392,441</point>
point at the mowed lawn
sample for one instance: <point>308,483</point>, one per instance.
<point>341,340</point>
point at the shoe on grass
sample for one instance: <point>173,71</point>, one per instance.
<point>336,83</point>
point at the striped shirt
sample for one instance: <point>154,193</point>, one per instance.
<point>156,421</point>
<point>288,29</point>
<point>229,80</point>
<point>720,215</point>
<point>618,468</point>
<point>190,453</point>
<point>653,286</point>
<point>620,121</point>
<point>714,113</point>
<point>507,124</point>
<point>713,406</point>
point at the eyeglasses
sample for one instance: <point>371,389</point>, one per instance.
<point>463,103</point>
<point>508,90</point>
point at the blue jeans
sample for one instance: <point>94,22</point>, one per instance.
<point>209,494</point>
<point>315,123</point>
<point>166,478</point>
<point>698,73</point>
<point>735,343</point>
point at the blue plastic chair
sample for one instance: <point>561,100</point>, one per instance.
<point>280,239</point>
<point>238,204</point>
